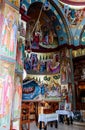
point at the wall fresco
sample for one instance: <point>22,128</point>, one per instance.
<point>38,87</point>
<point>6,91</point>
<point>42,63</point>
<point>20,56</point>
<point>20,45</point>
<point>15,2</point>
<point>8,31</point>
<point>66,72</point>
<point>74,16</point>
<point>17,96</point>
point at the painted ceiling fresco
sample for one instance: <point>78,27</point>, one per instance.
<point>59,22</point>
<point>73,2</point>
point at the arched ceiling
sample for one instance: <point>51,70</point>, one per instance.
<point>52,18</point>
<point>49,19</point>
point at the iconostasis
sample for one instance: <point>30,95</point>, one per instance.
<point>48,68</point>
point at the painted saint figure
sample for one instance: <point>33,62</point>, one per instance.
<point>17,96</point>
<point>6,92</point>
<point>9,32</point>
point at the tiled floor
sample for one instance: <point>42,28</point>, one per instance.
<point>60,127</point>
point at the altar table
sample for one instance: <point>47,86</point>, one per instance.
<point>48,118</point>
<point>68,114</point>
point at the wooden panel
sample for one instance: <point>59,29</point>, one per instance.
<point>25,116</point>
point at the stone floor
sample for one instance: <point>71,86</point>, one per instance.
<point>60,127</point>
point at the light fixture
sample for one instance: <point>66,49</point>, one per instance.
<point>24,74</point>
<point>79,4</point>
<point>46,6</point>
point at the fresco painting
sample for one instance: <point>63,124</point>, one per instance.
<point>64,91</point>
<point>53,92</point>
<point>47,87</point>
<point>42,64</point>
<point>1,20</point>
<point>6,89</point>
<point>25,4</point>
<point>74,16</point>
<point>20,55</point>
<point>66,72</point>
<point>70,97</point>
<point>17,96</point>
<point>63,73</point>
<point>15,2</point>
<point>46,90</point>
<point>8,32</point>
<point>31,90</point>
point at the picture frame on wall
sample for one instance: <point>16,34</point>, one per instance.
<point>64,78</point>
<point>64,90</point>
<point>68,106</point>
<point>69,72</point>
<point>70,93</point>
<point>62,105</point>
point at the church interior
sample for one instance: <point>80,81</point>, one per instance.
<point>42,63</point>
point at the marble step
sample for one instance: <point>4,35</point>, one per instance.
<point>79,123</point>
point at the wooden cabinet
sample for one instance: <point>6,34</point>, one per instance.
<point>53,106</point>
<point>79,80</point>
<point>80,96</point>
<point>79,68</point>
<point>32,112</point>
<point>25,116</point>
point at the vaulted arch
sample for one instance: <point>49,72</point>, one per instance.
<point>55,15</point>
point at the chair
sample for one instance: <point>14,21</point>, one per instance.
<point>25,116</point>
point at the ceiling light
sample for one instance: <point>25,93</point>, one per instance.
<point>46,6</point>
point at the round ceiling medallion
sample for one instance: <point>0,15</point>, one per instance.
<point>79,4</point>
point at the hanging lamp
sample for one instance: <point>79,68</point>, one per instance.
<point>46,5</point>
<point>76,4</point>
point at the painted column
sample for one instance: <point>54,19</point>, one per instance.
<point>17,95</point>
<point>9,14</point>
